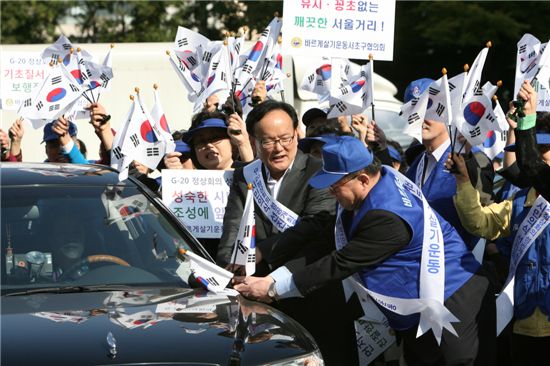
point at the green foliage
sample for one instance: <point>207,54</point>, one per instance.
<point>30,21</point>
<point>430,35</point>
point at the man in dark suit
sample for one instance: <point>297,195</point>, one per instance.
<point>285,172</point>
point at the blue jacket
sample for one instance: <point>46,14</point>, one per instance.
<point>533,272</point>
<point>75,156</point>
<point>439,189</point>
<point>398,276</point>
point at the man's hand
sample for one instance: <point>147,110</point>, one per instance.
<point>99,119</point>
<point>4,143</point>
<point>255,288</point>
<point>455,159</point>
<point>211,103</point>
<point>172,160</point>
<point>16,133</point>
<point>462,141</point>
<point>511,122</point>
<point>236,129</point>
<point>344,125</point>
<point>529,95</point>
<point>61,128</point>
<point>140,167</point>
<point>259,94</point>
<point>237,269</point>
<point>375,135</point>
<point>98,116</point>
<point>360,123</point>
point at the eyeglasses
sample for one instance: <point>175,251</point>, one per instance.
<point>201,144</point>
<point>347,178</point>
<point>270,143</point>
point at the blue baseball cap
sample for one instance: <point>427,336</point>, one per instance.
<point>306,143</point>
<point>341,156</point>
<point>182,147</point>
<point>50,135</point>
<point>415,88</point>
<point>542,139</point>
<point>394,154</point>
<point>207,123</point>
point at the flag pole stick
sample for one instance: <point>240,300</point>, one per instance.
<point>85,95</point>
<point>461,147</point>
<point>444,72</point>
<point>466,67</point>
<point>371,62</point>
<point>99,91</point>
<point>234,260</point>
<point>282,91</point>
<point>230,74</point>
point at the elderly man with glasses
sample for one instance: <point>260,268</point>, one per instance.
<point>279,178</point>
<point>392,246</point>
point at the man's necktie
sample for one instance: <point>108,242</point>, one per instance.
<point>426,157</point>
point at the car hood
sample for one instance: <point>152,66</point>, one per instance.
<point>146,326</point>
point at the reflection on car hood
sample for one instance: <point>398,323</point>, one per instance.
<point>146,326</point>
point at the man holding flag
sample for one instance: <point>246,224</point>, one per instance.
<point>281,197</point>
<point>428,169</point>
<point>421,278</point>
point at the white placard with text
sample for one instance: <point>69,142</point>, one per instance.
<point>339,28</point>
<point>21,75</point>
<point>197,198</point>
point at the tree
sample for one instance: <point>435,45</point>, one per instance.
<point>31,21</point>
<point>431,35</point>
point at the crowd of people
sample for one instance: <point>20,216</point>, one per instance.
<point>361,206</point>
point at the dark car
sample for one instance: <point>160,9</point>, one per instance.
<point>89,278</point>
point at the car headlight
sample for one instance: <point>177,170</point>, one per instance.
<point>310,359</point>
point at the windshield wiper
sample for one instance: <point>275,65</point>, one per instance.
<point>70,289</point>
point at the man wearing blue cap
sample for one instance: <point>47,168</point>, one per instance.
<point>379,238</point>
<point>61,144</point>
<point>523,223</point>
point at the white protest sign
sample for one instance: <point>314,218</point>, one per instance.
<point>543,98</point>
<point>22,73</point>
<point>339,28</point>
<point>198,198</point>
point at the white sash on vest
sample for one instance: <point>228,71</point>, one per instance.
<point>373,333</point>
<point>531,227</point>
<point>280,216</point>
<point>433,314</point>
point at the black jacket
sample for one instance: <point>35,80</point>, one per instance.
<point>295,193</point>
<point>530,162</point>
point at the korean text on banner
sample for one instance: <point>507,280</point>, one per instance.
<point>349,29</point>
<point>197,198</point>
<point>22,74</point>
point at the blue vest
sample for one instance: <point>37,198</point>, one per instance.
<point>439,189</point>
<point>398,276</point>
<point>533,272</point>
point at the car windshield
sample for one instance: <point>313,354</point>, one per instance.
<point>71,236</point>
